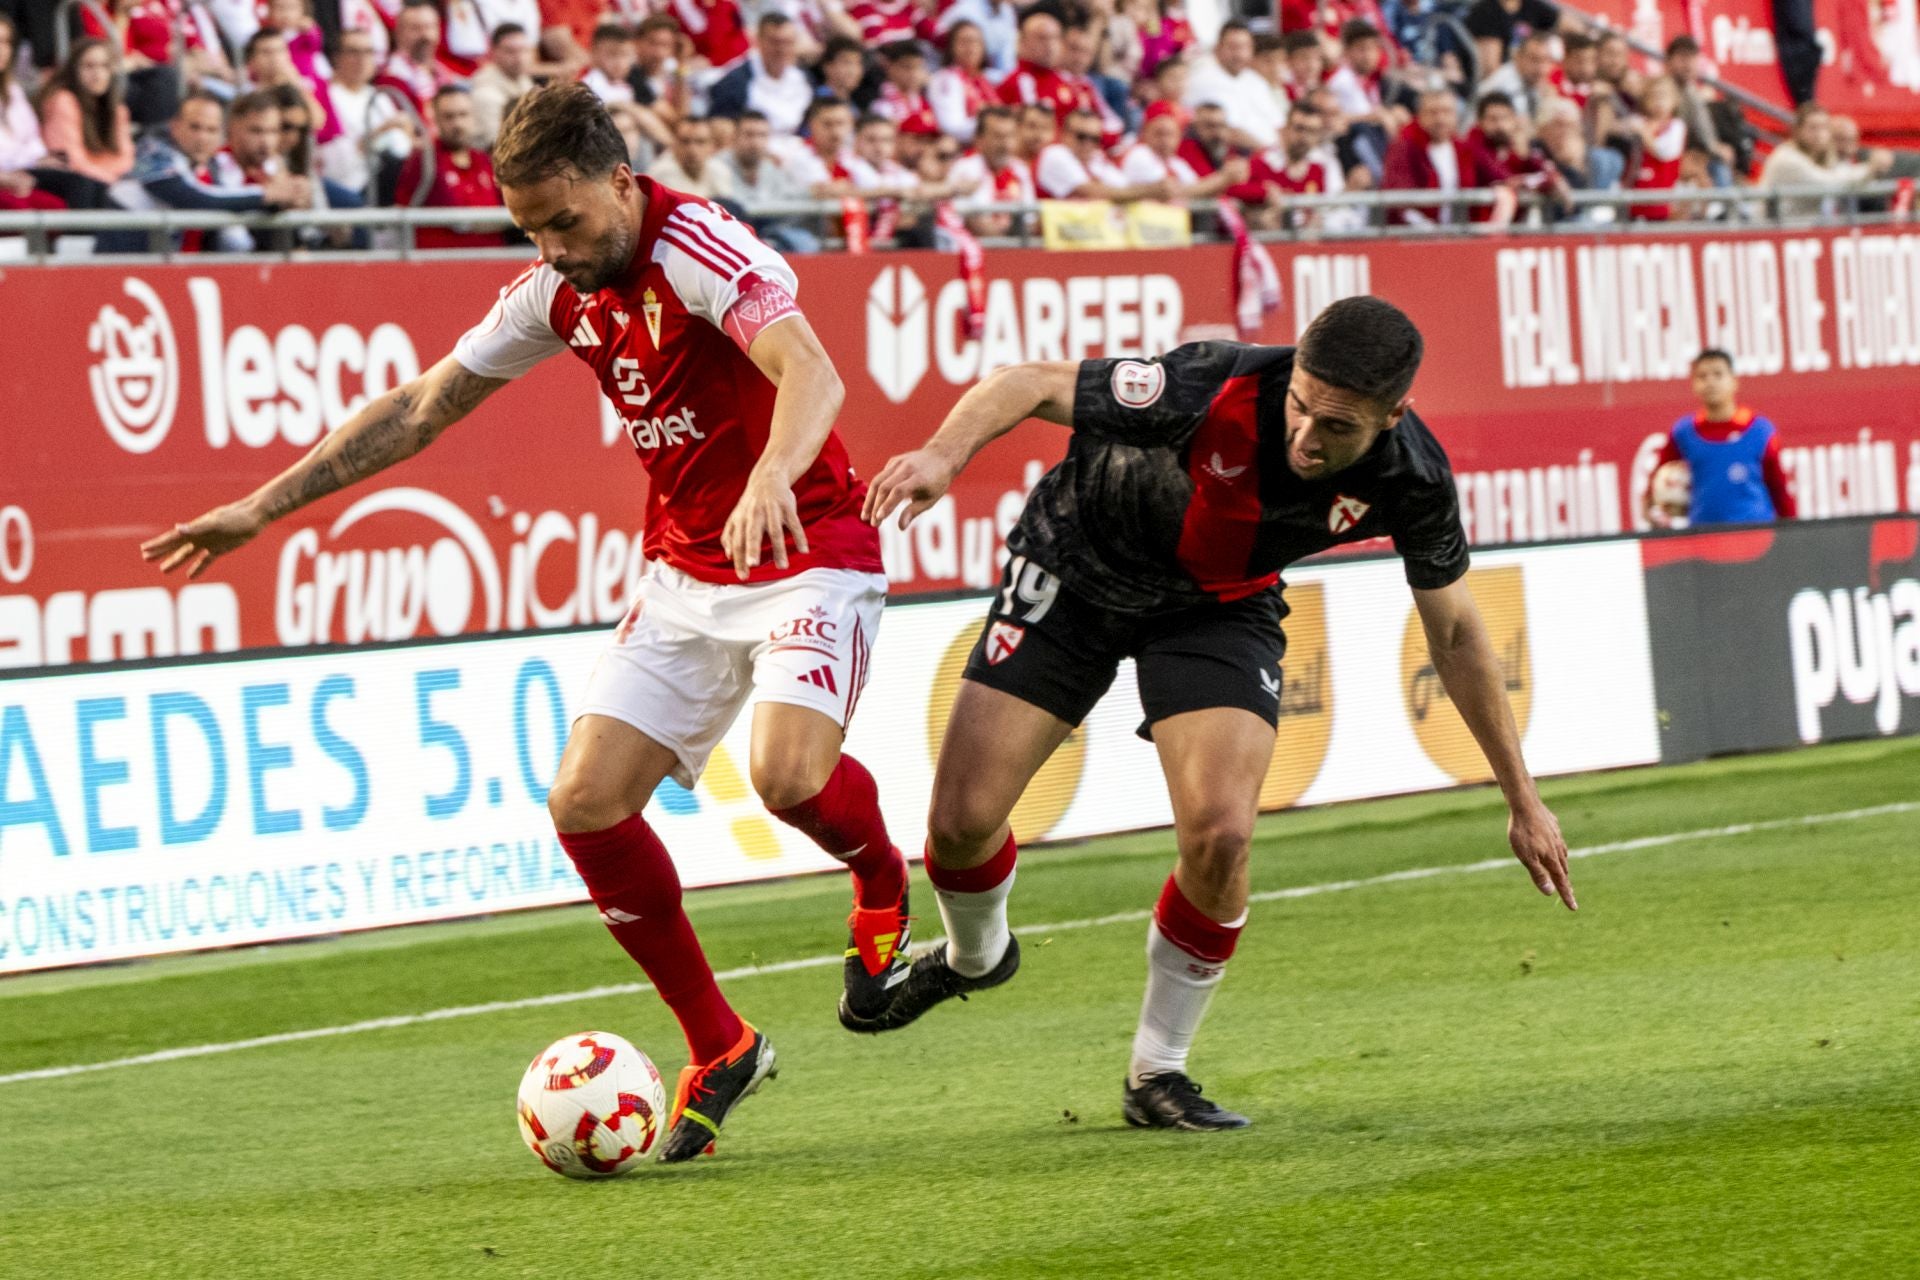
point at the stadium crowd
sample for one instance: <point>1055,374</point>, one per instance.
<point>891,107</point>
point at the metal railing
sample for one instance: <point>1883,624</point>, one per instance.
<point>1748,206</point>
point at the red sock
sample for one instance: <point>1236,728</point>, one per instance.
<point>632,879</point>
<point>844,819</point>
<point>987,876</point>
<point>1184,925</point>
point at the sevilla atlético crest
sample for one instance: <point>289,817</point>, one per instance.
<point>650,308</point>
<point>1002,641</point>
<point>1346,513</point>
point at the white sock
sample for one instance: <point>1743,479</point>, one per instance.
<point>1179,988</point>
<point>977,935</point>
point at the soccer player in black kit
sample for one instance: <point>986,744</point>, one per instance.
<point>1191,481</point>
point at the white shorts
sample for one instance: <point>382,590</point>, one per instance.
<point>689,653</point>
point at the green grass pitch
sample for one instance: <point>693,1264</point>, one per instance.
<point>1712,1071</point>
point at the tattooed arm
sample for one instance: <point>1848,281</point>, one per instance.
<point>390,429</point>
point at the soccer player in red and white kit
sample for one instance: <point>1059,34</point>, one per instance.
<point>690,324</point>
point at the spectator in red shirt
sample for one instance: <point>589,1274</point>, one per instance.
<point>1663,145</point>
<point>462,175</point>
<point>1501,141</point>
<point>1038,129</point>
<point>1293,168</point>
<point>903,94</point>
<point>413,68</point>
<point>993,171</point>
<point>959,91</point>
<point>822,166</point>
<point>1306,63</point>
<point>1205,148</point>
<point>1429,155</point>
<point>716,28</point>
<point>884,21</point>
<point>1036,78</point>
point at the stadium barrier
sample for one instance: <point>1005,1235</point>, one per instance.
<point>1775,636</point>
<point>144,394</point>
<point>222,801</point>
<point>230,800</point>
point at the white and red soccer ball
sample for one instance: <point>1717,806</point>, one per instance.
<point>1672,494</point>
<point>592,1106</point>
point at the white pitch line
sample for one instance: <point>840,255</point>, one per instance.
<point>816,962</point>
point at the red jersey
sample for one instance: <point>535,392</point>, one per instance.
<point>718,32</point>
<point>884,21</point>
<point>668,342</point>
<point>150,25</point>
<point>1031,82</point>
<point>454,187</point>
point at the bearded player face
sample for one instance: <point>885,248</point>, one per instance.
<point>1330,428</point>
<point>584,228</point>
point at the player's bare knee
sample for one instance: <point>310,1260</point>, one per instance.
<point>1215,850</point>
<point>578,804</point>
<point>959,829</point>
<point>783,781</point>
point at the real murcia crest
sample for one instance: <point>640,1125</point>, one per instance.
<point>650,308</point>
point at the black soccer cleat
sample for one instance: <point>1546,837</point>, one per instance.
<point>707,1095</point>
<point>929,981</point>
<point>1169,1100</point>
<point>876,962</point>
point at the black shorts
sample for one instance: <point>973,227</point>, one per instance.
<point>1047,646</point>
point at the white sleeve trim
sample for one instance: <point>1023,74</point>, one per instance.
<point>516,333</point>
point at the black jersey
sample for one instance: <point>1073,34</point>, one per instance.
<point>1176,490</point>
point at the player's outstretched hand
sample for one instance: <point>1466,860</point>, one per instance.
<point>917,480</point>
<point>765,513</point>
<point>198,543</point>
<point>1535,836</point>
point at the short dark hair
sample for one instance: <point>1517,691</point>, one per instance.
<point>1355,30</point>
<point>894,50</point>
<point>836,46</point>
<point>1364,345</point>
<point>1492,98</point>
<point>870,119</point>
<point>255,40</point>
<point>554,130</point>
<point>1041,10</point>
<point>252,104</point>
<point>997,111</point>
<point>1269,43</point>
<point>197,94</point>
<point>1230,26</point>
<point>504,30</point>
<point>452,89</point>
<point>1682,44</point>
<point>1295,41</point>
<point>608,32</point>
<point>752,113</point>
<point>826,102</point>
<point>657,22</point>
<point>771,18</point>
<point>1711,353</point>
<point>1577,42</point>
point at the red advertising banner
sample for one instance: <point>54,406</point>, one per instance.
<point>141,395</point>
<point>1870,51</point>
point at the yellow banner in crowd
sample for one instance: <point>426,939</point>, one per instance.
<point>1081,224</point>
<point>1098,224</point>
<point>1153,225</point>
